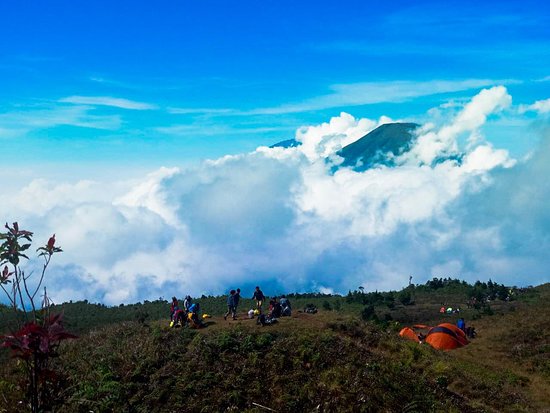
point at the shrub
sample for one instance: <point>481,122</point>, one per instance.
<point>368,313</point>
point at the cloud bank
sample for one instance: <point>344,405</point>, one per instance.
<point>454,205</point>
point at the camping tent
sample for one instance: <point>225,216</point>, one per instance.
<point>409,334</point>
<point>446,336</point>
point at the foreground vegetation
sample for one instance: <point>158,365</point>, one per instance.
<point>348,357</point>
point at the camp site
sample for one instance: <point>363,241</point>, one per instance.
<point>361,350</point>
<point>275,206</point>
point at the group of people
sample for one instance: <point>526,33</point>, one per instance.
<point>232,303</point>
<point>276,308</point>
<point>234,298</point>
<point>188,315</point>
<point>449,310</point>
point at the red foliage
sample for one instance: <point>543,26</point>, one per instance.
<point>5,275</point>
<point>36,340</point>
<point>50,248</point>
<point>51,242</point>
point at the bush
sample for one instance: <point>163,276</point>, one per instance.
<point>368,313</point>
<point>405,297</point>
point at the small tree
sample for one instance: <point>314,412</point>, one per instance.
<point>38,334</point>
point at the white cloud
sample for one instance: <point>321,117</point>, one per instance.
<point>284,219</point>
<point>108,101</point>
<point>540,106</point>
<point>149,194</point>
<point>433,144</point>
<point>326,139</point>
<point>355,94</point>
<point>214,130</point>
<point>19,123</point>
<point>207,111</point>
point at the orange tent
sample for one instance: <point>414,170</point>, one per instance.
<point>446,337</point>
<point>460,335</point>
<point>409,334</point>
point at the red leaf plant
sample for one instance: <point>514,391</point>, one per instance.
<point>36,344</point>
<point>38,340</point>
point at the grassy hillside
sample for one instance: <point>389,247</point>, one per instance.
<point>330,361</point>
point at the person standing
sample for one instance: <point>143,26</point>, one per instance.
<point>236,299</point>
<point>285,304</point>
<point>259,297</point>
<point>174,307</point>
<point>231,305</point>
<point>187,303</point>
<point>461,324</point>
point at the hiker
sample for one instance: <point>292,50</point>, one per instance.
<point>461,324</point>
<point>174,307</point>
<point>251,313</point>
<point>286,308</point>
<point>236,299</point>
<point>442,310</point>
<point>259,297</point>
<point>187,303</point>
<point>470,332</point>
<point>231,305</point>
<point>177,315</point>
<point>193,316</point>
<point>179,318</point>
<point>275,309</point>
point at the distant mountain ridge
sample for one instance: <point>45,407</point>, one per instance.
<point>289,143</point>
<point>372,149</point>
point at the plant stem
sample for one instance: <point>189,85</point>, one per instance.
<point>7,294</point>
<point>46,263</point>
<point>18,276</point>
<point>31,298</point>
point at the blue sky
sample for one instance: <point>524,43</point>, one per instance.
<point>198,80</point>
<point>116,116</point>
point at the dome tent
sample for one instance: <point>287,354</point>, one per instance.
<point>446,337</point>
<point>409,334</point>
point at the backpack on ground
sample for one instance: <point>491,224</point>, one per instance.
<point>266,321</point>
<point>310,309</point>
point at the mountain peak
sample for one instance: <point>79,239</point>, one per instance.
<point>289,143</point>
<point>373,148</point>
